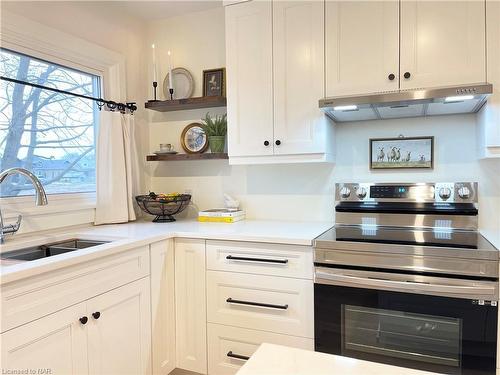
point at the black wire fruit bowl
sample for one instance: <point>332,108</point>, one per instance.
<point>163,207</point>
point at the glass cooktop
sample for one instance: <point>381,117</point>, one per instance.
<point>403,236</point>
<point>458,239</point>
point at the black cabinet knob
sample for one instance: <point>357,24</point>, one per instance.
<point>96,315</point>
<point>83,320</point>
<point>278,142</point>
<point>391,77</point>
<point>407,75</point>
<point>266,143</point>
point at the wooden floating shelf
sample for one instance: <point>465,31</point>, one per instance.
<point>176,157</point>
<point>189,103</point>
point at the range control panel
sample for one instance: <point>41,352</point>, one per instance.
<point>452,192</point>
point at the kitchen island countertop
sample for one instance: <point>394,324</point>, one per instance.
<point>270,359</point>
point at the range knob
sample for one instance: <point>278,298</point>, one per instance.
<point>445,193</point>
<point>361,193</point>
<point>464,192</point>
<point>345,192</point>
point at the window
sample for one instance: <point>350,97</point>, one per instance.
<point>51,134</point>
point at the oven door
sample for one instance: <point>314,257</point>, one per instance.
<point>412,321</point>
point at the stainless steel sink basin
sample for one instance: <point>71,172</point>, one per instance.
<point>44,251</point>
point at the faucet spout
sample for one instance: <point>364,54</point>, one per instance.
<point>40,198</point>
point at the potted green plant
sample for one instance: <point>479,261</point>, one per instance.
<point>215,128</point>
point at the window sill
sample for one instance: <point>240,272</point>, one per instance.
<point>58,203</point>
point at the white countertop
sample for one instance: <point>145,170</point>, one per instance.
<point>132,235</point>
<point>272,359</point>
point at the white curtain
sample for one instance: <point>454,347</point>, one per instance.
<point>117,169</point>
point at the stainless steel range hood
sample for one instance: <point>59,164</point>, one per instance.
<point>407,103</point>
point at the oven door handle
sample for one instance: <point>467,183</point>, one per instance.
<point>462,291</point>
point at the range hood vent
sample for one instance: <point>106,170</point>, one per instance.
<point>407,103</point>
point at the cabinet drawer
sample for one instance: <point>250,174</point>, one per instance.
<point>267,303</point>
<point>25,300</point>
<point>262,259</point>
<point>227,345</point>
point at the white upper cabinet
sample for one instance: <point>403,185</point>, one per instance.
<point>442,43</point>
<point>249,78</point>
<point>275,75</point>
<point>489,116</point>
<point>298,56</point>
<point>362,47</point>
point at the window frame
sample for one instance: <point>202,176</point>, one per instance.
<point>31,38</point>
<point>83,196</point>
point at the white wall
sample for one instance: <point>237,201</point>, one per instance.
<point>303,192</point>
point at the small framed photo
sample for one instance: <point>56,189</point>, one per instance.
<point>214,82</point>
<point>399,153</point>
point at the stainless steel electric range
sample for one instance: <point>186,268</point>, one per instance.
<point>405,278</point>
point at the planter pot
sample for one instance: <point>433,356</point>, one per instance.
<point>217,143</point>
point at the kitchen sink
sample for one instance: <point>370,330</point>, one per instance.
<point>48,250</point>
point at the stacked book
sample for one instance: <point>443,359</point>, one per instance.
<point>221,215</point>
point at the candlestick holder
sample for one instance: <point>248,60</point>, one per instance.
<point>171,91</point>
<point>155,86</point>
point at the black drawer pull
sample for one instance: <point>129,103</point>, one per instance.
<point>258,304</point>
<point>237,356</point>
<point>265,260</point>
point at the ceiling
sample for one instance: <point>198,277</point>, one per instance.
<point>153,10</point>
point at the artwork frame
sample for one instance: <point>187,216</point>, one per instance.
<point>190,147</point>
<point>418,153</point>
<point>214,82</point>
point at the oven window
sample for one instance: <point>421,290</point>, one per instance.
<point>419,337</point>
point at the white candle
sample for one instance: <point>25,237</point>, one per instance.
<point>170,75</point>
<point>155,77</point>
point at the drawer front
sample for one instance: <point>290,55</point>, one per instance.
<point>262,259</point>
<point>267,303</point>
<point>34,297</point>
<point>228,346</point>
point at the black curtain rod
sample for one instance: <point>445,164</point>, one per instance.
<point>111,105</point>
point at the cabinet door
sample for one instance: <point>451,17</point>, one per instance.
<point>119,339</point>
<point>163,306</point>
<point>298,59</point>
<point>362,47</point>
<point>489,117</point>
<point>55,344</point>
<point>442,43</point>
<point>249,78</point>
<point>190,305</point>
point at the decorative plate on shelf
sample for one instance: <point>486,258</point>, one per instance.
<point>193,139</point>
<point>183,83</point>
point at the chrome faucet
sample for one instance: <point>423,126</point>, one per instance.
<point>41,199</point>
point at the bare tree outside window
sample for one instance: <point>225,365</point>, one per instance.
<point>50,134</point>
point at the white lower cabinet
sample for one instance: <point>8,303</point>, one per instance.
<point>119,331</point>
<point>108,334</point>
<point>57,343</point>
<point>267,303</point>
<point>190,305</point>
<point>162,307</point>
<point>228,346</point>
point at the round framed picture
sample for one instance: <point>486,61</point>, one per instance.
<point>193,139</point>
